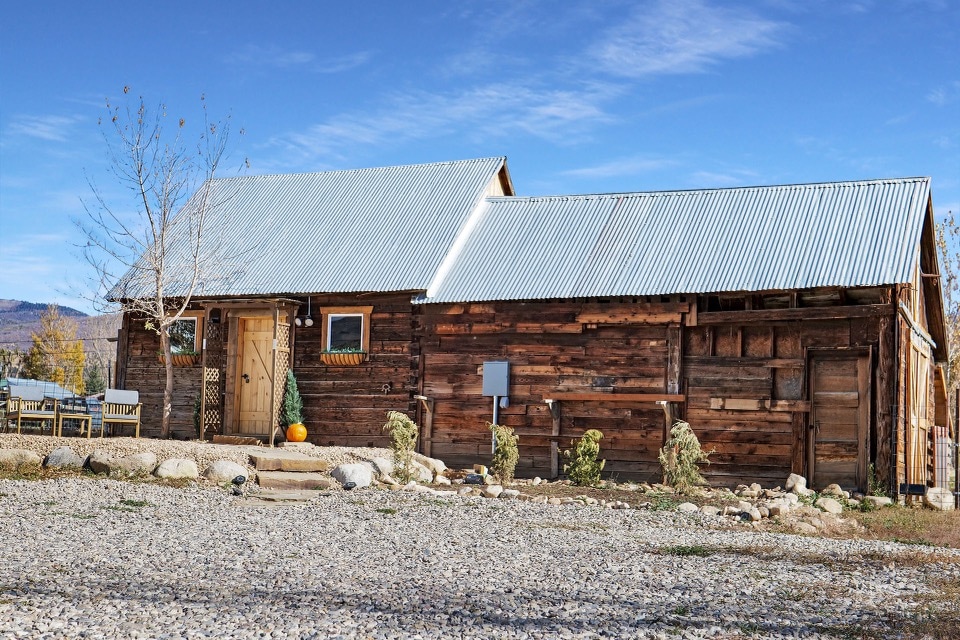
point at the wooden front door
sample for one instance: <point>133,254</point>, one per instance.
<point>839,420</point>
<point>254,366</point>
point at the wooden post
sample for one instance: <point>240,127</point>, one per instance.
<point>675,358</point>
<point>426,440</point>
<point>554,406</point>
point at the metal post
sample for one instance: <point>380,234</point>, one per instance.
<point>496,420</point>
<point>956,451</point>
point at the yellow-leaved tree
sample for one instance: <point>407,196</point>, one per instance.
<point>56,354</point>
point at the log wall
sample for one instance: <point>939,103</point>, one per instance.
<point>348,405</point>
<point>556,349</point>
<point>140,370</point>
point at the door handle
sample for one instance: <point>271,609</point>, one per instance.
<point>246,378</point>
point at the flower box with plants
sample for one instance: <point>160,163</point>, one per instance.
<point>343,357</point>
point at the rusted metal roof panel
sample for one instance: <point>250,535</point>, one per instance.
<point>842,234</point>
<point>371,230</point>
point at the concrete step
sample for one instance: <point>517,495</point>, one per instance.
<point>286,481</point>
<point>286,460</point>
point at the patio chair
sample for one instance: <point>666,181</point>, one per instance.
<point>122,408</point>
<point>28,403</point>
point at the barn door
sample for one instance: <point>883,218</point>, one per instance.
<point>254,381</point>
<point>839,420</point>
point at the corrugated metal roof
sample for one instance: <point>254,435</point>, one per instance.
<point>746,239</point>
<point>380,229</point>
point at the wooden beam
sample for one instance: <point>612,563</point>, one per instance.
<point>744,361</point>
<point>803,313</point>
<point>617,397</point>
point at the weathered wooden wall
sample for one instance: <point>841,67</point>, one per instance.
<point>140,370</point>
<point>764,362</point>
<point>348,405</point>
<point>554,348</point>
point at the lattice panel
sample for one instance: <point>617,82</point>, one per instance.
<point>213,379</point>
<point>282,360</point>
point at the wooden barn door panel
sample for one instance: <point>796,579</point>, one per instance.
<point>253,382</point>
<point>839,419</point>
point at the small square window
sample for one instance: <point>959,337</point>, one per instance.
<point>345,332</point>
<point>183,336</point>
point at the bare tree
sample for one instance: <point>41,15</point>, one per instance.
<point>150,255</point>
<point>948,241</point>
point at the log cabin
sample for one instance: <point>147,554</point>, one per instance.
<point>797,328</point>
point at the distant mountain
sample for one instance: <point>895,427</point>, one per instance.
<point>19,320</point>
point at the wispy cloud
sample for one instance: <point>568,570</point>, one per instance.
<point>484,112</point>
<point>945,94</point>
<point>682,36</point>
<point>52,128</point>
<point>622,167</point>
<point>279,58</point>
<point>735,178</point>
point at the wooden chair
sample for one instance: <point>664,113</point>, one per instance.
<point>28,403</point>
<point>75,409</point>
<point>121,407</point>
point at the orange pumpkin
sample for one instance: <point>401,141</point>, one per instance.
<point>296,432</point>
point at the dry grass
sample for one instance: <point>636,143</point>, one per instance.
<point>913,526</point>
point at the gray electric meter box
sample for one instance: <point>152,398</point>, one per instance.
<point>496,378</point>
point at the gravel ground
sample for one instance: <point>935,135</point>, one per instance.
<point>96,558</point>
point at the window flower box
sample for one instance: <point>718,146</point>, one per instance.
<point>343,359</point>
<point>181,359</point>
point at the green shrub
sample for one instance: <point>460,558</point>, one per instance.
<point>581,465</point>
<point>292,411</point>
<point>403,439</point>
<point>506,454</point>
<point>681,457</point>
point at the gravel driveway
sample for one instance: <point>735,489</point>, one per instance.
<point>93,558</point>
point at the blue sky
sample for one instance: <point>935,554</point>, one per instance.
<point>581,96</point>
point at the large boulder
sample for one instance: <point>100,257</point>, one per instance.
<point>359,474</point>
<point>137,463</point>
<point>176,468</point>
<point>797,484</point>
<point>829,505</point>
<point>436,467</point>
<point>225,471</point>
<point>100,462</point>
<point>939,498</point>
<point>382,467</point>
<point>63,458</point>
<point>19,458</point>
<point>111,465</point>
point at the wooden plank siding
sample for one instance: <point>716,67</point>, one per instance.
<point>585,353</point>
<point>348,405</point>
<point>738,372</point>
<point>141,370</point>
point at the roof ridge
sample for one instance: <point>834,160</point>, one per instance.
<point>773,187</point>
<point>363,169</point>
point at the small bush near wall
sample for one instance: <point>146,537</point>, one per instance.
<point>681,458</point>
<point>581,464</point>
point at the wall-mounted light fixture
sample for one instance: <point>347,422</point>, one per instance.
<point>306,321</point>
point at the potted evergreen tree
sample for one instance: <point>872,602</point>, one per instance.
<point>291,415</point>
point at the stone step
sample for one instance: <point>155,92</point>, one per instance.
<point>286,460</point>
<point>283,480</point>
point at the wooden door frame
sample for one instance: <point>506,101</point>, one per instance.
<point>865,410</point>
<point>279,311</point>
